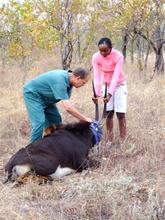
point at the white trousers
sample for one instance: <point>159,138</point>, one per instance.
<point>118,102</point>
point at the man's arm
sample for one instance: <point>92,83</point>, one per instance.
<point>66,104</point>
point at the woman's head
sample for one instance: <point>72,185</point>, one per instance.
<point>105,46</point>
<point>79,77</point>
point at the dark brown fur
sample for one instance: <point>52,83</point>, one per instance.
<point>67,147</point>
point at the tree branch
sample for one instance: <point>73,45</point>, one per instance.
<point>148,40</point>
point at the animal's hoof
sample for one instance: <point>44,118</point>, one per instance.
<point>94,163</point>
<point>85,172</point>
<point>5,181</point>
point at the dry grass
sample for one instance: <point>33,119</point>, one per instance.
<point>129,184</point>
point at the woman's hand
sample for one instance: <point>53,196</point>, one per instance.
<point>106,100</point>
<point>95,99</point>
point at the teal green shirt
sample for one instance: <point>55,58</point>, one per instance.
<point>51,86</point>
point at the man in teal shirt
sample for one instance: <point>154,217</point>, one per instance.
<point>43,92</point>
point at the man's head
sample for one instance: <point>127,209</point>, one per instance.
<point>105,46</point>
<point>79,77</point>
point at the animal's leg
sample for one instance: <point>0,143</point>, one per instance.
<point>83,165</point>
<point>21,170</point>
<point>62,171</point>
<point>18,170</point>
<point>8,178</point>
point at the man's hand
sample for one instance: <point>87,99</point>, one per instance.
<point>106,100</point>
<point>89,120</point>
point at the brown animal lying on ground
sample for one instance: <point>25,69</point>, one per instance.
<point>63,152</point>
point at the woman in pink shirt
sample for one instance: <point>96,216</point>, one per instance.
<point>108,68</point>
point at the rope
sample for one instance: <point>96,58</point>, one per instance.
<point>97,131</point>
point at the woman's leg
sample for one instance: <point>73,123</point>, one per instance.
<point>120,104</point>
<point>122,124</point>
<point>109,124</point>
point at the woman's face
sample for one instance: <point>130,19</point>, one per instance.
<point>104,50</point>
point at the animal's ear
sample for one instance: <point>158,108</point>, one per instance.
<point>48,131</point>
<point>59,126</point>
<point>51,129</point>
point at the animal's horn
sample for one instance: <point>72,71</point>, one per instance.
<point>105,104</point>
<point>96,104</point>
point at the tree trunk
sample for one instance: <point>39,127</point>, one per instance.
<point>159,64</point>
<point>79,48</point>
<point>67,55</point>
<point>66,38</point>
<point>125,42</point>
<point>23,67</point>
<point>158,49</point>
<point>3,58</point>
<point>132,50</point>
<point>139,56</point>
<point>147,54</point>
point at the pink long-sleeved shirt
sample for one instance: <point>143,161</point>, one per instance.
<point>110,67</point>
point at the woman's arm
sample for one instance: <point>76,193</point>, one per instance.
<point>116,74</point>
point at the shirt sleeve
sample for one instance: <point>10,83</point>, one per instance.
<point>116,74</point>
<point>97,76</point>
<point>60,90</point>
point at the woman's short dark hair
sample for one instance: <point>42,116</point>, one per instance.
<point>106,41</point>
<point>81,72</point>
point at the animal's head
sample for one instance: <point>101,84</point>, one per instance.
<point>96,129</point>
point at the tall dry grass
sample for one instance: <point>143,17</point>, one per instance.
<point>128,185</point>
